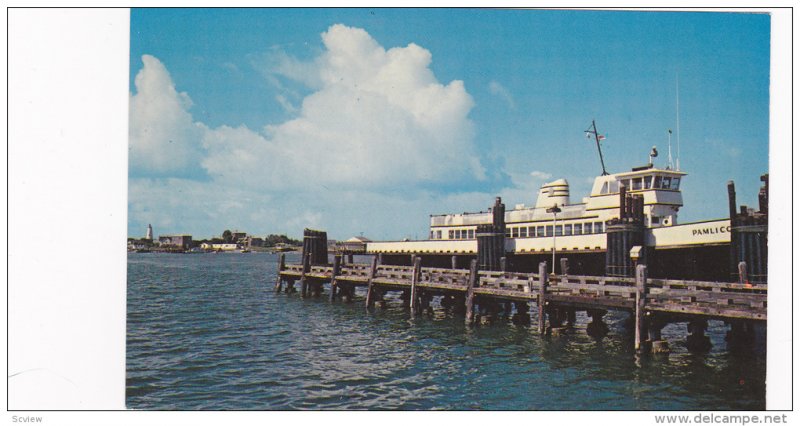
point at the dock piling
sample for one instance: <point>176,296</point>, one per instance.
<point>471,284</point>
<point>370,283</point>
<point>281,268</point>
<point>542,296</point>
<point>639,325</point>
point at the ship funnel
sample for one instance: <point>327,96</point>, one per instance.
<point>556,192</point>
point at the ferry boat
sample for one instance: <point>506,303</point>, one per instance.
<point>578,230</point>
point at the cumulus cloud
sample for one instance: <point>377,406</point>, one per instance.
<point>374,122</point>
<point>163,139</point>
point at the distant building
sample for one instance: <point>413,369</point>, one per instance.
<point>149,235</point>
<point>175,241</point>
<point>251,241</point>
<point>354,245</point>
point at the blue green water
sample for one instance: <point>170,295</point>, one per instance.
<point>206,331</point>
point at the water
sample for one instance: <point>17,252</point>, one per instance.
<point>206,331</point>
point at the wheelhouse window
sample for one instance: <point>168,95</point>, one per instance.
<point>676,183</point>
<point>549,229</point>
<point>567,229</point>
<point>657,182</point>
<point>648,180</point>
<point>637,184</point>
<point>578,229</point>
<point>587,229</point>
<point>439,234</point>
<point>598,227</point>
<point>559,230</point>
<point>471,234</point>
<point>540,231</point>
<point>666,182</point>
<point>626,183</point>
<point>604,190</point>
<point>531,231</point>
<point>451,234</point>
<point>523,232</point>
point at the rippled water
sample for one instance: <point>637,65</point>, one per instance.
<point>206,331</point>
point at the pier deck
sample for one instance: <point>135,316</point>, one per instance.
<point>652,302</point>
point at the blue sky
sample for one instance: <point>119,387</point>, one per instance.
<point>368,120</point>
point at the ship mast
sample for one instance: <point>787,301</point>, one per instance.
<point>593,131</point>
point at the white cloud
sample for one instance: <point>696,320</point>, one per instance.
<point>164,140</point>
<point>499,90</point>
<point>378,129</point>
<point>541,175</point>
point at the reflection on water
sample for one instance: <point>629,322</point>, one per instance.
<point>206,331</point>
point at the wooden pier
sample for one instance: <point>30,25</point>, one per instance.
<point>548,300</point>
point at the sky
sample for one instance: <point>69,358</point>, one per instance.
<point>366,121</point>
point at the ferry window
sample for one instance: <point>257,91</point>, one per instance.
<point>471,234</point>
<point>647,181</point>
<point>439,235</point>
<point>626,183</point>
<point>514,232</point>
<point>588,228</point>
<point>540,231</point>
<point>654,220</point>
<point>605,188</point>
<point>433,235</point>
<point>613,187</point>
<point>450,234</point>
<point>665,183</point>
<point>567,229</point>
<point>637,184</point>
<point>598,227</point>
<point>531,231</point>
<point>657,183</point>
<point>523,232</point>
<point>559,231</point>
<point>578,229</point>
<point>549,229</point>
<point>676,182</point>
<point>508,232</point>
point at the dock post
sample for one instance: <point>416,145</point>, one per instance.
<point>564,266</point>
<point>281,267</point>
<point>471,283</point>
<point>453,262</point>
<point>370,291</point>
<point>697,341</point>
<point>640,329</point>
<point>337,266</point>
<point>414,279</point>
<point>303,279</point>
<point>597,328</point>
<point>503,264</point>
<point>542,296</point>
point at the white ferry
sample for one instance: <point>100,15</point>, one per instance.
<point>574,227</point>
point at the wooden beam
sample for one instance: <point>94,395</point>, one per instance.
<point>337,266</point>
<point>303,279</point>
<point>641,287</point>
<point>542,296</point>
<point>281,267</point>
<point>370,292</point>
<point>415,275</point>
<point>471,283</point>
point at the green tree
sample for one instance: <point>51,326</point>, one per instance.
<point>227,236</point>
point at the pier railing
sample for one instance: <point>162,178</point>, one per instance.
<point>720,300</point>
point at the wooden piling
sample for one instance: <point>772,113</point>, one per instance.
<point>453,262</point>
<point>337,268</point>
<point>370,291</point>
<point>415,275</point>
<point>281,267</point>
<point>641,287</point>
<point>303,279</point>
<point>564,266</point>
<point>542,296</point>
<point>471,284</point>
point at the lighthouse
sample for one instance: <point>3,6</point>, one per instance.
<point>149,235</point>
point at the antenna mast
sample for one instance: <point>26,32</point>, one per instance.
<point>593,131</point>
<point>669,152</point>
<point>678,118</point>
